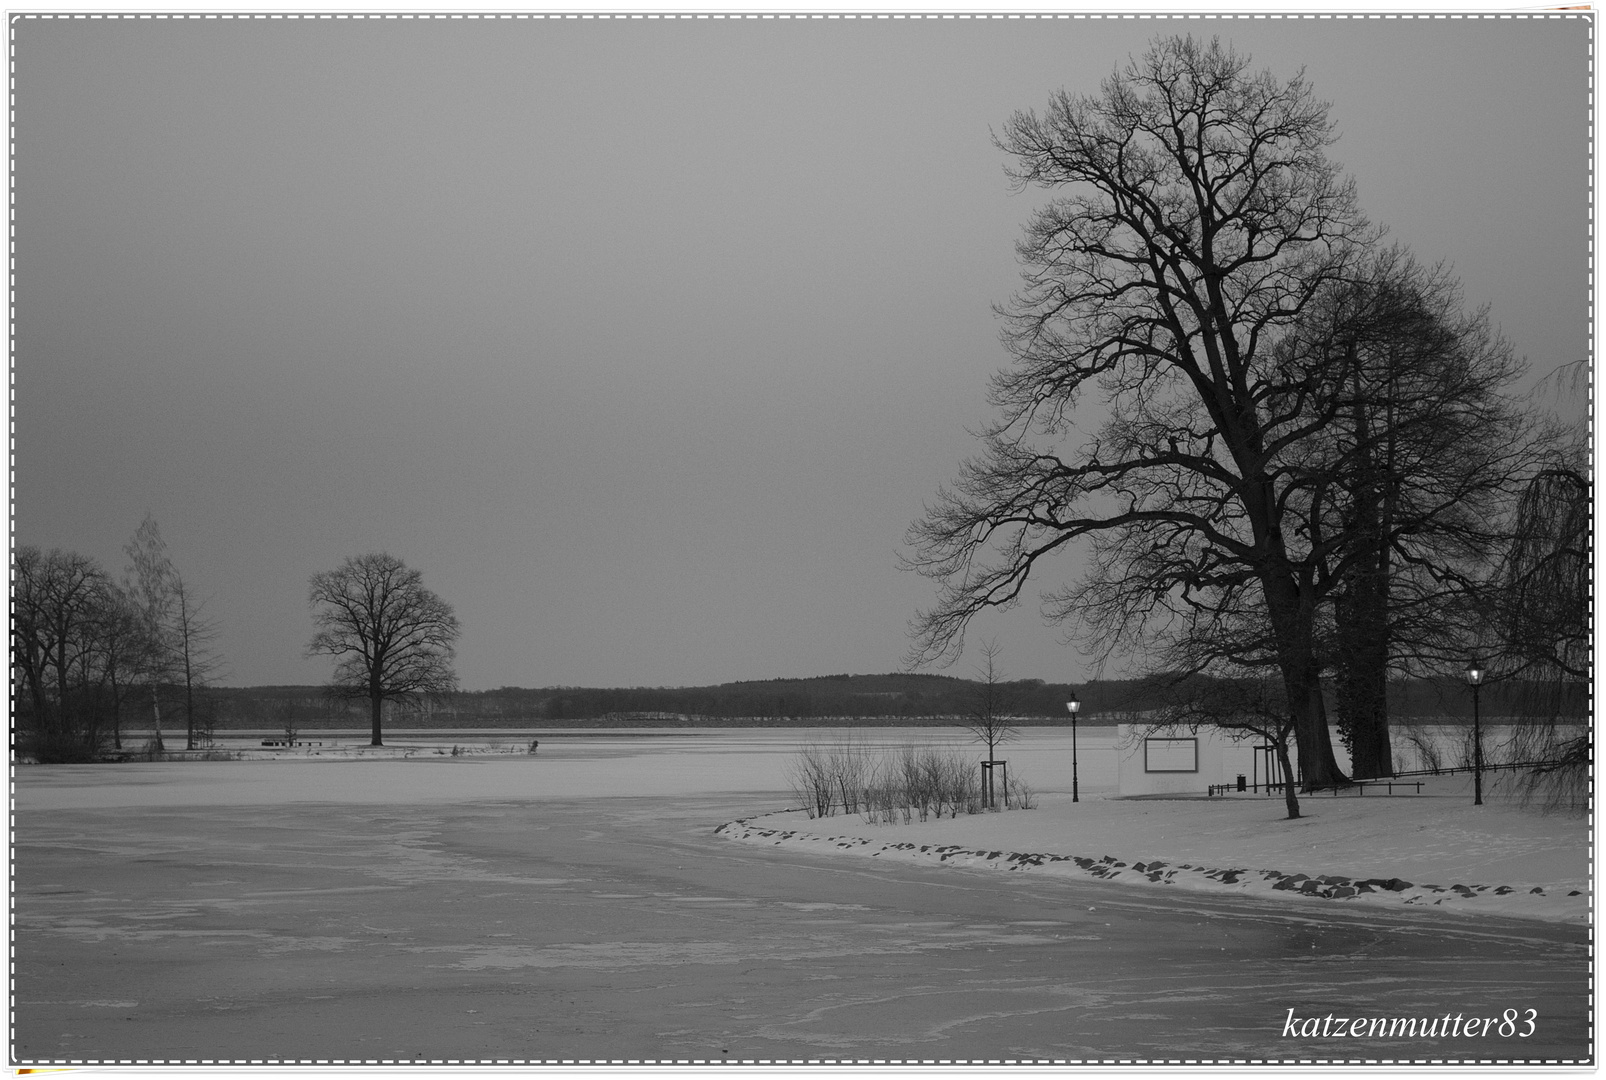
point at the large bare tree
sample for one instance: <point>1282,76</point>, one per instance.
<point>1403,493</point>
<point>391,637</point>
<point>1201,218</point>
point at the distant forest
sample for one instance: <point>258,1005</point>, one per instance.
<point>897,699</point>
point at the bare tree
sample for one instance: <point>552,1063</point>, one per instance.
<point>147,581</point>
<point>59,657</point>
<point>192,634</point>
<point>1542,627</point>
<point>1400,498</point>
<point>1191,274</point>
<point>391,637</point>
<point>127,647</point>
<point>179,634</point>
<point>288,711</point>
<point>988,718</point>
<point>1203,217</point>
<point>1252,705</point>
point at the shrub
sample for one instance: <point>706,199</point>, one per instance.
<point>902,784</point>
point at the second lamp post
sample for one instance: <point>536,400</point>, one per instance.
<point>1074,707</point>
<point>1475,679</point>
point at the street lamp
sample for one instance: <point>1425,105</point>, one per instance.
<point>1475,673</point>
<point>1074,706</point>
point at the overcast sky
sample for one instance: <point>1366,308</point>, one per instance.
<point>644,340</point>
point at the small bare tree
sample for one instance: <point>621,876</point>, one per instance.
<point>989,717</point>
<point>289,714</point>
<point>196,662</point>
<point>1255,706</point>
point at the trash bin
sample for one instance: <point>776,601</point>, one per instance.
<point>1243,784</point>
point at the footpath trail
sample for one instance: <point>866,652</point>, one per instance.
<point>624,929</point>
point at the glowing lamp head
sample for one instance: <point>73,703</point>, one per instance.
<point>1073,706</point>
<point>1475,673</point>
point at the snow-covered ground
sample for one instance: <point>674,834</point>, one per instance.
<point>1434,849</point>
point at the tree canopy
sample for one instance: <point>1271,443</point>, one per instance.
<point>391,637</point>
<point>1267,436</point>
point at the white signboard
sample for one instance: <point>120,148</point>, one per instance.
<point>1170,755</point>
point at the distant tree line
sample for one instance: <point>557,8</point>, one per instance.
<point>793,702</point>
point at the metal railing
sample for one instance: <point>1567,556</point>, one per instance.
<point>1388,783</point>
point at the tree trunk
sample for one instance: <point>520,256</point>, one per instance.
<point>156,717</point>
<point>1292,619</point>
<point>1361,620</point>
<point>377,701</point>
<point>117,714</point>
<point>1290,797</point>
<point>1362,679</point>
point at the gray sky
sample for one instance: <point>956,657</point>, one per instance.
<point>644,340</point>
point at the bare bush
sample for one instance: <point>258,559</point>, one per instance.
<point>1423,741</point>
<point>1020,795</point>
<point>905,784</point>
<point>810,777</point>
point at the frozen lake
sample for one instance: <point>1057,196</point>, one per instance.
<point>577,905</point>
<point>570,764</point>
<point>684,762</point>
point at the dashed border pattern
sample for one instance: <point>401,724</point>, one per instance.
<point>17,18</point>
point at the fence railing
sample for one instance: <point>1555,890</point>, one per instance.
<point>1388,783</point>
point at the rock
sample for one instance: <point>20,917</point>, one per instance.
<point>1536,889</point>
<point>1341,891</point>
<point>1394,884</point>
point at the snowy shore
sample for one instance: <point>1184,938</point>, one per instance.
<point>1435,849</point>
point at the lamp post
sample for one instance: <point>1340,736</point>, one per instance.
<point>1475,675</point>
<point>1074,707</point>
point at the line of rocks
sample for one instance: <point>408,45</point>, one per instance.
<point>1325,886</point>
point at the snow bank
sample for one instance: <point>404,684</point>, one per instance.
<point>1430,850</point>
